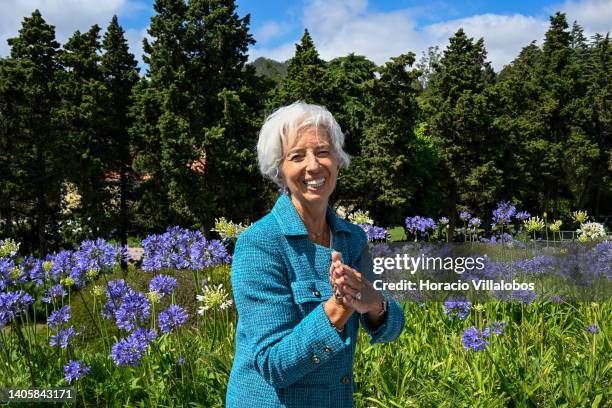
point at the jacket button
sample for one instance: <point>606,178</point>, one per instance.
<point>316,293</point>
<point>346,379</point>
<point>315,359</point>
<point>327,349</point>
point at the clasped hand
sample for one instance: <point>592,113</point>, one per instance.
<point>352,288</point>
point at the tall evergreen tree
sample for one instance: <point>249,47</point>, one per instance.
<point>346,79</point>
<point>307,78</point>
<point>196,118</point>
<point>166,58</point>
<point>84,119</point>
<point>120,73</point>
<point>517,94</point>
<point>34,144</point>
<point>563,151</point>
<point>599,121</point>
<point>382,174</point>
<point>458,108</point>
<point>10,190</point>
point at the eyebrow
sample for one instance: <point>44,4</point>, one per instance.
<point>322,145</point>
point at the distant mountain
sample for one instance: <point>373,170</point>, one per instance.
<point>270,68</point>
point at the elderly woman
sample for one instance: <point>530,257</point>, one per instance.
<point>300,276</point>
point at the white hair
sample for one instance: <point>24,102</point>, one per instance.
<point>283,126</point>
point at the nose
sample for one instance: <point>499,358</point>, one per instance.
<point>312,161</point>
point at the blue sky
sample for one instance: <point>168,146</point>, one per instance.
<point>377,29</point>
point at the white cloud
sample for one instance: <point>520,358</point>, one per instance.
<point>341,27</point>
<point>377,35</point>
<point>66,15</point>
<point>134,38</point>
<point>269,31</point>
<point>504,36</point>
<point>281,53</point>
<point>595,16</point>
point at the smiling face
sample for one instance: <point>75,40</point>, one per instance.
<point>310,168</point>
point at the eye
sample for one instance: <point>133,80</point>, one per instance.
<point>295,157</point>
<point>323,153</point>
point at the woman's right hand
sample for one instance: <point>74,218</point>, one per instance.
<point>335,308</point>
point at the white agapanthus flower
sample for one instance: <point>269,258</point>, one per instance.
<point>592,230</point>
<point>9,248</point>
<point>228,229</point>
<point>361,217</point>
<point>214,297</point>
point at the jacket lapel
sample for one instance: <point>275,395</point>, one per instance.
<point>309,261</point>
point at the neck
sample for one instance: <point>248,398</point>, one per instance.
<point>314,217</point>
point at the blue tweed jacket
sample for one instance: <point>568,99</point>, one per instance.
<point>287,352</point>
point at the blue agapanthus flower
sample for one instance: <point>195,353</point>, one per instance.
<point>540,264</point>
<point>522,215</point>
<point>558,299</point>
<point>459,308</point>
<point>58,317</point>
<point>502,215</point>
<point>12,305</point>
<point>206,254</point>
<point>75,370</point>
<point>162,284</point>
<point>602,256</point>
<point>32,270</point>
<point>131,350</point>
<point>61,265</point>
<point>497,327</point>
<point>116,289</point>
<point>114,293</point>
<point>54,293</point>
<point>7,265</point>
<point>465,216</point>
<point>96,255</point>
<point>474,222</point>
<point>593,329</point>
<point>179,248</point>
<point>174,316</point>
<point>62,337</point>
<point>374,233</point>
<point>133,311</point>
<point>419,224</point>
<point>474,339</point>
<point>525,297</point>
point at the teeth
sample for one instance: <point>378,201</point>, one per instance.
<point>316,183</point>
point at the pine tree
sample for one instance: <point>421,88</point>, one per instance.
<point>599,121</point>
<point>517,93</point>
<point>382,174</point>
<point>346,79</point>
<point>307,77</point>
<point>196,117</point>
<point>10,190</point>
<point>84,119</point>
<point>457,107</point>
<point>34,144</point>
<point>120,73</point>
<point>564,152</point>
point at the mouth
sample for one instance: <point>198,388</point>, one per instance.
<point>315,183</point>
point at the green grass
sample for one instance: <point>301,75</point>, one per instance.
<point>397,233</point>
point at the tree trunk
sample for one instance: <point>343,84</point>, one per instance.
<point>123,205</point>
<point>40,204</point>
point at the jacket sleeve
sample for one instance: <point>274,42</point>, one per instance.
<point>393,325</point>
<point>282,351</point>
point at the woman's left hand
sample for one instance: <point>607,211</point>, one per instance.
<point>358,293</point>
